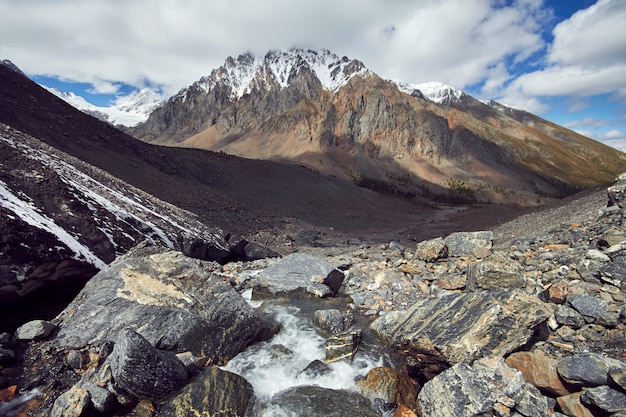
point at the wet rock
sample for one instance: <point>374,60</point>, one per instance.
<point>497,271</point>
<point>296,272</point>
<point>389,385</point>
<point>488,387</point>
<point>36,329</point>
<point>314,401</point>
<point>72,403</point>
<point>176,302</point>
<point>588,369</point>
<point>143,370</point>
<point>315,369</point>
<point>590,307</point>
<point>605,398</point>
<point>342,345</point>
<point>453,328</point>
<point>466,243</point>
<point>213,392</point>
<point>102,399</point>
<point>333,320</point>
<point>539,370</point>
<point>431,250</point>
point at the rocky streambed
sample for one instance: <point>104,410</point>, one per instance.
<point>460,325</point>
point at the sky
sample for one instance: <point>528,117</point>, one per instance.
<point>564,60</point>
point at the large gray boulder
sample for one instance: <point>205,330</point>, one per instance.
<point>298,272</point>
<point>469,243</point>
<point>177,303</point>
<point>438,332</point>
<point>213,392</point>
<point>488,387</point>
<point>314,401</point>
<point>144,371</point>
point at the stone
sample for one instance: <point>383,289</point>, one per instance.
<point>572,406</point>
<point>617,193</point>
<point>605,398</point>
<point>596,255</point>
<point>497,271</point>
<point>567,316</point>
<point>6,355</point>
<point>557,293</point>
<point>177,303</point>
<point>590,307</point>
<point>403,411</point>
<point>454,282</point>
<point>72,403</point>
<point>618,377</point>
<point>314,401</point>
<point>588,369</point>
<point>465,243</point>
<point>342,345</point>
<point>539,370</point>
<point>389,385</point>
<point>102,399</point>
<point>143,370</point>
<point>294,273</point>
<point>480,390</point>
<point>319,290</point>
<point>213,392</point>
<point>452,328</point>
<point>431,250</point>
<point>36,329</point>
<point>315,369</point>
<point>589,270</point>
<point>333,320</point>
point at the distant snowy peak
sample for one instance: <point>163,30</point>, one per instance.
<point>436,92</point>
<point>127,110</point>
<point>240,74</point>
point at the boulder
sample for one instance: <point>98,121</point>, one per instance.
<point>177,303</point>
<point>588,369</point>
<point>539,370</point>
<point>389,385</point>
<point>342,345</point>
<point>431,250</point>
<point>144,371</point>
<point>567,316</point>
<point>295,273</point>
<point>497,271</point>
<point>314,401</point>
<point>571,405</point>
<point>333,320</point>
<point>617,193</point>
<point>453,328</point>
<point>213,392</point>
<point>36,329</point>
<point>489,387</point>
<point>590,307</point>
<point>72,403</point>
<point>467,243</point>
<point>605,398</point>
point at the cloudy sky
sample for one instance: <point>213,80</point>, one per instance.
<point>562,59</point>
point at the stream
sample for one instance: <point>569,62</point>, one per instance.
<point>278,363</point>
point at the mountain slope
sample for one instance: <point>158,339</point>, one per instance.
<point>355,125</point>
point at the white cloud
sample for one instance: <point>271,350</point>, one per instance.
<point>174,43</point>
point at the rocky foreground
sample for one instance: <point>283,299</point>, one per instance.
<point>530,326</point>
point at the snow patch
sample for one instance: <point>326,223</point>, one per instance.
<point>434,91</point>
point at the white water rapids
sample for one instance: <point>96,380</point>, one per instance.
<point>277,364</point>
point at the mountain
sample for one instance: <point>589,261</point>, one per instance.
<point>127,110</point>
<point>335,116</point>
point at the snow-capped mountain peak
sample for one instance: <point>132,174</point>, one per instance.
<point>434,91</point>
<point>280,66</point>
<point>127,110</point>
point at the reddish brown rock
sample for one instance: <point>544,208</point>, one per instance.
<point>539,370</point>
<point>403,411</point>
<point>390,385</point>
<point>572,406</point>
<point>557,293</point>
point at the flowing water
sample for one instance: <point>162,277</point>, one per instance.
<point>278,364</point>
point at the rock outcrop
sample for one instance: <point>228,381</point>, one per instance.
<point>177,303</point>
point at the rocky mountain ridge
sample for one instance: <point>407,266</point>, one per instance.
<point>335,116</point>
